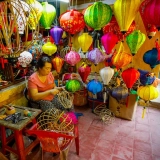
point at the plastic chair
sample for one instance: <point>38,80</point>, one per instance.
<point>55,142</point>
<point>31,103</point>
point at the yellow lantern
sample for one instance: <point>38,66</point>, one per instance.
<point>74,42</point>
<point>85,41</point>
<point>49,48</point>
<point>125,12</point>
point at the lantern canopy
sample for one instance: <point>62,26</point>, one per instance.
<point>151,57</point>
<point>85,41</point>
<point>84,72</point>
<point>125,12</point>
<point>135,40</point>
<point>130,76</point>
<point>49,48</point>
<point>48,15</point>
<point>56,33</point>
<point>95,56</point>
<point>72,58</point>
<point>72,85</point>
<point>72,21</point>
<point>148,92</point>
<point>94,86</point>
<point>58,63</point>
<point>108,41</point>
<point>106,74</point>
<point>98,15</point>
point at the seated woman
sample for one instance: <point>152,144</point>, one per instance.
<point>41,86</point>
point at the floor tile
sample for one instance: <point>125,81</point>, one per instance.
<point>100,155</point>
<point>156,149</point>
<point>142,127</point>
<point>117,158</point>
<point>142,136</point>
<point>155,138</point>
<point>139,155</point>
<point>109,136</point>
<point>127,123</point>
<point>154,157</point>
<point>126,131</point>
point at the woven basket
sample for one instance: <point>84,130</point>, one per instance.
<point>80,98</point>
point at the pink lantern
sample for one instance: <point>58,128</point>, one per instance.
<point>96,56</point>
<point>72,58</point>
<point>108,41</point>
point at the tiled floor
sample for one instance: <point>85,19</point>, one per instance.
<point>122,140</point>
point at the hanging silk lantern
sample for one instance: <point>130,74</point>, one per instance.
<point>72,85</point>
<point>48,15</point>
<point>49,48</point>
<point>121,58</point>
<point>119,93</point>
<point>95,56</point>
<point>106,74</point>
<point>98,15</point>
<point>72,58</point>
<point>72,21</point>
<point>56,33</point>
<point>35,13</point>
<point>146,78</point>
<point>94,86</point>
<point>85,41</point>
<point>108,41</point>
<point>84,70</point>
<point>125,12</point>
<point>151,32</point>
<point>130,76</point>
<point>113,26</point>
<point>151,57</point>
<point>135,40</point>
<point>58,63</point>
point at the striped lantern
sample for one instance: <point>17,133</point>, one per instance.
<point>98,15</point>
<point>72,58</point>
<point>58,63</point>
<point>73,85</point>
<point>135,40</point>
<point>48,15</point>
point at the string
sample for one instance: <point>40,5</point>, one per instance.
<point>56,13</point>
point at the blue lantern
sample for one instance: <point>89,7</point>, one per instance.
<point>151,57</point>
<point>94,86</point>
<point>146,77</point>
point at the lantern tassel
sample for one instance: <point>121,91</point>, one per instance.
<point>144,112</point>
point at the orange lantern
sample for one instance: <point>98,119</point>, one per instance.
<point>58,63</point>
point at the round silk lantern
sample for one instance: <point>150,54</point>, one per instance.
<point>125,12</point>
<point>84,70</point>
<point>146,78</point>
<point>72,21</point>
<point>72,58</point>
<point>48,15</point>
<point>25,58</point>
<point>119,93</point>
<point>98,15</point>
<point>148,92</point>
<point>57,63</point>
<point>85,41</point>
<point>108,41</point>
<point>73,85</point>
<point>35,13</point>
<point>135,40</point>
<point>94,86</point>
<point>95,56</point>
<point>130,76</point>
<point>151,57</point>
<point>56,34</point>
<point>106,74</point>
<point>49,48</point>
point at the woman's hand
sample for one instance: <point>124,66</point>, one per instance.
<point>54,91</point>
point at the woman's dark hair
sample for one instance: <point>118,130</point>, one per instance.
<point>42,60</point>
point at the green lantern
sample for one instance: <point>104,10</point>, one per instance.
<point>135,40</point>
<point>98,15</point>
<point>73,85</point>
<point>48,15</point>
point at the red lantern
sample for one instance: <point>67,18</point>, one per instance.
<point>113,26</point>
<point>130,76</point>
<point>58,63</point>
<point>72,21</point>
<point>108,41</point>
<point>84,71</point>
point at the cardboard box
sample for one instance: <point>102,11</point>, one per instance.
<point>121,110</point>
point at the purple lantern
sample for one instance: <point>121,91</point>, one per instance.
<point>96,56</point>
<point>56,34</point>
<point>72,58</point>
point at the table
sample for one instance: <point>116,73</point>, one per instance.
<point>18,129</point>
